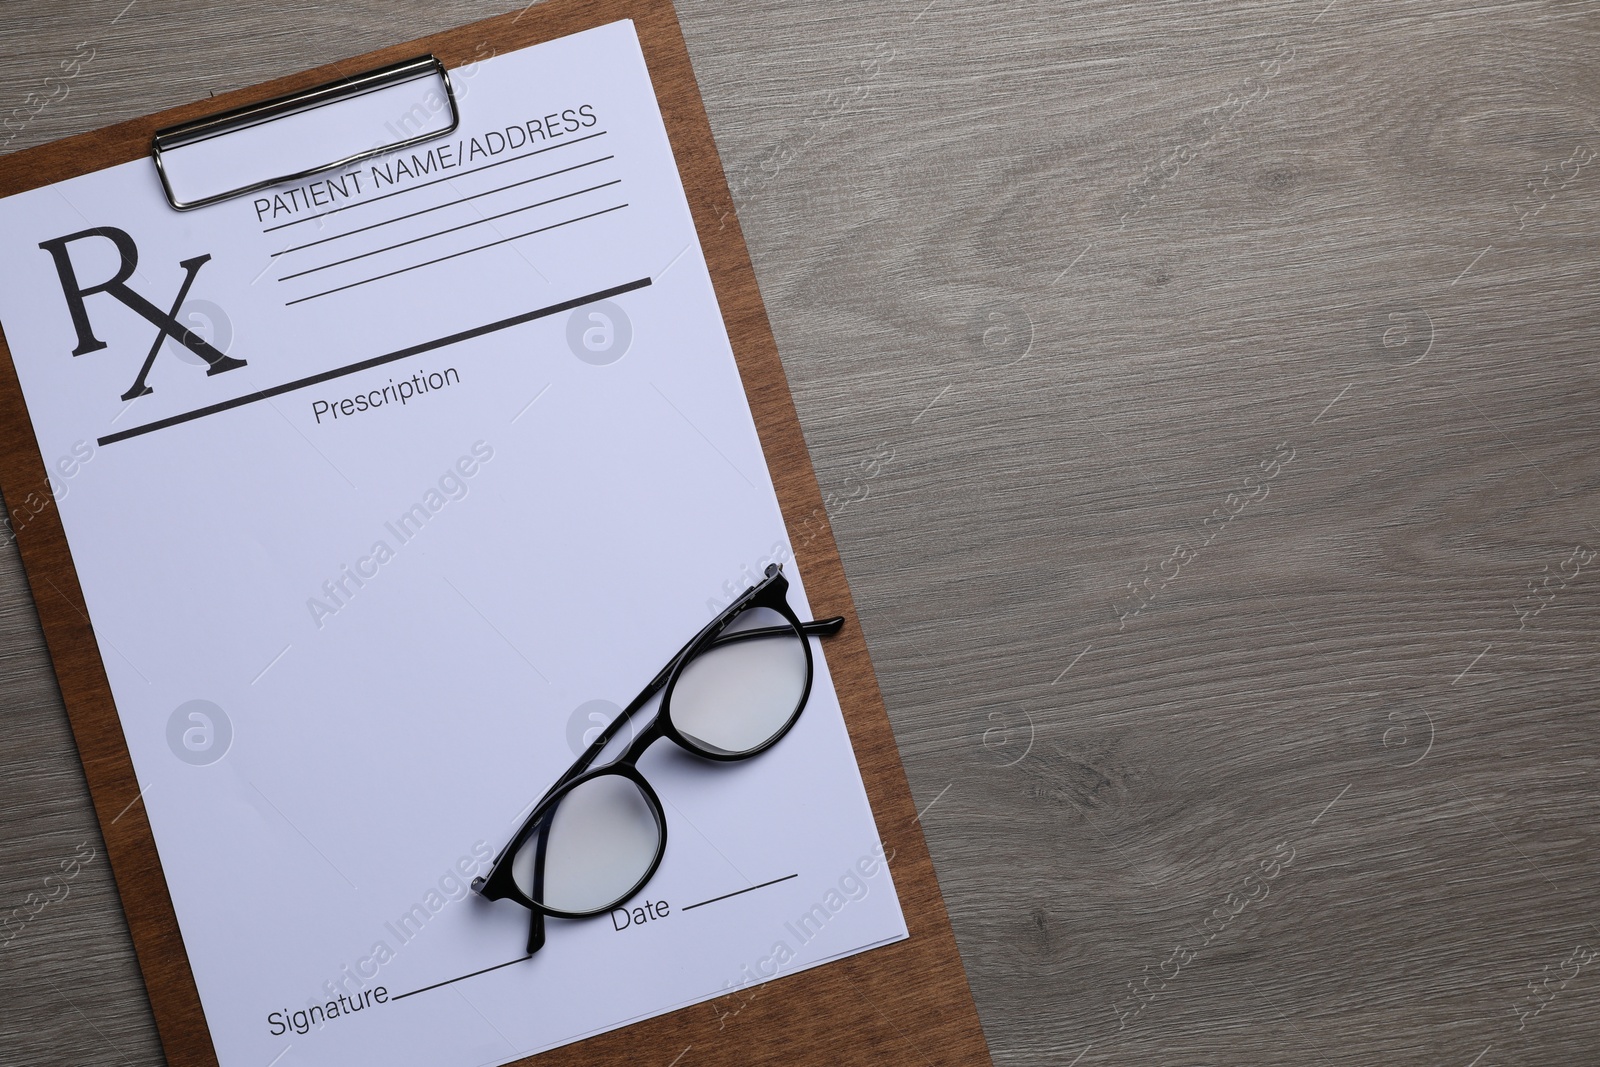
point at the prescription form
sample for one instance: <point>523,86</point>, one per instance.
<point>384,489</point>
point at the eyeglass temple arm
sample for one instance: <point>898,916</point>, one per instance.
<point>599,743</point>
<point>823,627</point>
<point>536,917</point>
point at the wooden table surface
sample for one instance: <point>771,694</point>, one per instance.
<point>1205,390</point>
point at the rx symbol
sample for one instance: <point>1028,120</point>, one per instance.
<point>166,323</point>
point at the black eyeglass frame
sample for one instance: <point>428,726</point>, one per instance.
<point>772,593</point>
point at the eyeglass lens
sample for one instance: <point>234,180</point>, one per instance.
<point>739,693</point>
<point>602,838</point>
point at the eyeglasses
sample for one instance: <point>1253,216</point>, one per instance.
<point>597,836</point>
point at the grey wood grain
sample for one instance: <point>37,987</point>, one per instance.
<point>1044,308</point>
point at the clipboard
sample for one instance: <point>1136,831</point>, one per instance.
<point>905,1002</point>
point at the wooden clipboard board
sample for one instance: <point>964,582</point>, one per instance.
<point>903,1003</point>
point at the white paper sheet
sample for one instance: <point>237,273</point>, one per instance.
<point>351,643</point>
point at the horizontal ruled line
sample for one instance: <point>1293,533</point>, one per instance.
<point>463,978</point>
<point>737,892</point>
<point>376,361</point>
<point>453,255</point>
